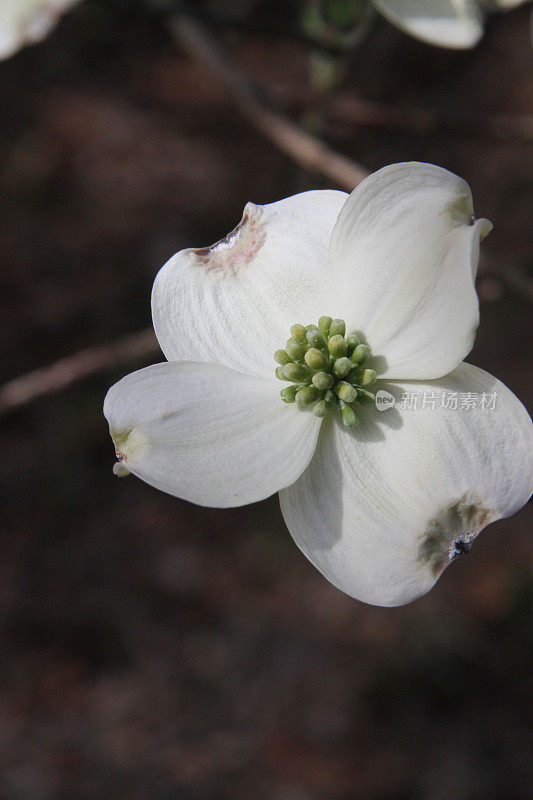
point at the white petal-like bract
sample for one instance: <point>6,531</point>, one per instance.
<point>233,303</point>
<point>208,434</point>
<point>24,22</point>
<point>456,24</point>
<point>382,510</point>
<point>405,250</point>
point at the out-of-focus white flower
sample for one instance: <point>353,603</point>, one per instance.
<point>457,24</point>
<point>24,22</point>
<point>380,502</point>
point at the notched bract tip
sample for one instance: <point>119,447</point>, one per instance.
<point>238,248</point>
<point>452,532</point>
<point>461,210</point>
<point>120,470</point>
<point>129,445</point>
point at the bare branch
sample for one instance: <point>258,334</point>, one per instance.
<point>305,149</point>
<point>75,368</point>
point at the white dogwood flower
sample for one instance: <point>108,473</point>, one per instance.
<point>24,22</point>
<point>377,290</point>
<point>447,23</point>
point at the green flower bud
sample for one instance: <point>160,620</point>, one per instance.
<point>326,370</point>
<point>295,349</point>
<point>288,394</point>
<point>337,346</point>
<point>337,327</point>
<point>324,325</point>
<point>295,372</point>
<point>315,359</point>
<point>323,380</point>
<point>322,408</point>
<point>298,333</point>
<point>342,367</point>
<point>349,417</point>
<point>360,354</point>
<point>345,392</point>
<point>306,396</point>
<point>365,377</point>
<point>351,342</point>
<point>315,339</point>
<point>282,357</point>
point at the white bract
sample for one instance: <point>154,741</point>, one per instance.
<point>24,22</point>
<point>447,23</point>
<point>380,507</point>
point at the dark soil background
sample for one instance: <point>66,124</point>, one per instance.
<point>154,650</point>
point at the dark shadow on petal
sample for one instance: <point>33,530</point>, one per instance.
<point>373,423</point>
<point>326,479</point>
<point>378,363</point>
<point>374,427</point>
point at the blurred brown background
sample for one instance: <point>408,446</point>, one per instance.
<point>151,649</point>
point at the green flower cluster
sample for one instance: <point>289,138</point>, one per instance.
<point>326,369</point>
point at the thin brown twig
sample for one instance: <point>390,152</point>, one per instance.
<point>72,369</point>
<point>312,153</point>
<point>306,150</point>
<point>303,148</point>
